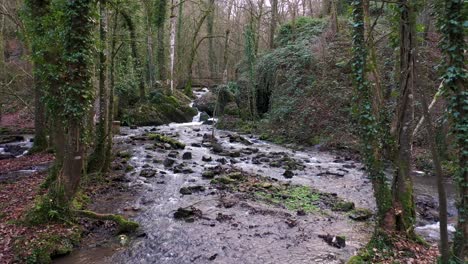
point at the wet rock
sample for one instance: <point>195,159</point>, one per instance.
<point>204,117</point>
<point>223,217</point>
<point>208,122</point>
<point>222,160</point>
<point>217,148</point>
<point>207,158</point>
<point>288,174</point>
<point>188,214</point>
<point>196,145</point>
<point>333,172</point>
<point>360,214</point>
<point>228,201</point>
<point>234,154</point>
<point>181,168</point>
<point>191,189</point>
<point>206,103</point>
<point>349,166</point>
<point>234,138</point>
<point>213,257</point>
<point>173,154</point>
<point>335,241</point>
<point>169,162</point>
<point>208,175</point>
<point>148,173</point>
<point>15,150</point>
<point>301,213</point>
<point>133,127</point>
<point>291,222</point>
<point>187,156</point>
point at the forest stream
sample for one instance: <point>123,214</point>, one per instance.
<point>229,227</point>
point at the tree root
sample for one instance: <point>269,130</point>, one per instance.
<point>125,226</point>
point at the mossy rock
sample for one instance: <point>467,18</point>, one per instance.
<point>360,214</point>
<point>164,139</point>
<point>343,206</point>
<point>160,109</point>
<point>223,180</point>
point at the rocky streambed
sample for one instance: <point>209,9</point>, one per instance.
<point>193,210</point>
<point>204,196</point>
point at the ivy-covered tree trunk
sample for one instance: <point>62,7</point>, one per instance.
<point>111,110</point>
<point>77,88</point>
<point>454,45</point>
<point>97,159</point>
<point>136,58</point>
<point>402,186</point>
<point>368,120</point>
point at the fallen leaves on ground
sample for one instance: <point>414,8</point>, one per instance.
<point>25,162</point>
<point>15,200</point>
<point>408,252</point>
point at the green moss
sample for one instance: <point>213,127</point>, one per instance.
<point>293,198</point>
<point>129,168</point>
<point>343,206</point>
<point>158,110</point>
<point>45,247</point>
<point>380,244</point>
<point>164,139</point>
<point>80,200</point>
<point>124,225</point>
<point>124,155</point>
<point>356,260</point>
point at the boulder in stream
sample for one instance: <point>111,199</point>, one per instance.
<point>335,241</point>
<point>187,156</point>
<point>148,173</point>
<point>169,162</point>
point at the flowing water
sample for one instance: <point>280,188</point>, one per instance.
<point>255,232</point>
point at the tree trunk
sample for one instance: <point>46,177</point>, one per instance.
<point>98,158</point>
<point>77,77</point>
<point>161,14</point>
<point>444,245</point>
<point>454,46</point>
<point>326,6</point>
<point>136,58</point>
<point>368,119</point>
<point>174,3</point>
<point>209,29</point>
<point>273,23</point>
<point>110,111</point>
<point>226,44</point>
<point>149,48</point>
<point>402,186</point>
<point>39,10</point>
